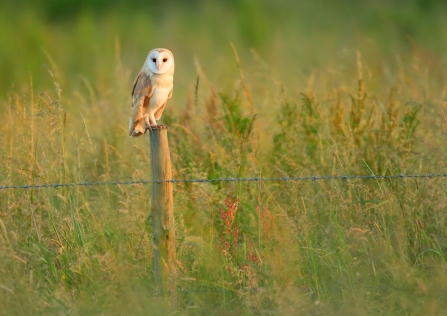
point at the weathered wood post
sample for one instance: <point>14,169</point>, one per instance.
<point>162,210</point>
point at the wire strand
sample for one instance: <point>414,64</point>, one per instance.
<point>230,179</point>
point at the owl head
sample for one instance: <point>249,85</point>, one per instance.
<point>160,60</point>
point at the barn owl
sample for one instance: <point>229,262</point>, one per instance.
<point>151,90</point>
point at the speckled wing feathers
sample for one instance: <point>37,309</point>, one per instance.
<point>141,93</point>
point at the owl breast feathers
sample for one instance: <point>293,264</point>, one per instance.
<point>151,90</point>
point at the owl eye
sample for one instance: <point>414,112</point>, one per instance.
<point>165,60</point>
<point>154,60</point>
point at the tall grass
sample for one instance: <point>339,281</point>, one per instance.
<point>307,104</point>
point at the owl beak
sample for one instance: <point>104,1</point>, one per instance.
<point>159,64</point>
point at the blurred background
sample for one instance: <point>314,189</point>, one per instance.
<point>82,42</point>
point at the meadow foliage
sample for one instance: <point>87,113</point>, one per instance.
<point>284,88</point>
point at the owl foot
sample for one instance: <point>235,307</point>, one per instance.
<point>148,124</point>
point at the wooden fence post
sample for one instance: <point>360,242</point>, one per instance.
<point>162,210</point>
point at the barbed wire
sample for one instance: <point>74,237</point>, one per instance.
<point>78,184</point>
<point>216,180</point>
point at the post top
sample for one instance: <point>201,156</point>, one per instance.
<point>158,127</point>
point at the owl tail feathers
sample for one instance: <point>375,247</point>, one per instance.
<point>136,129</point>
<point>136,133</point>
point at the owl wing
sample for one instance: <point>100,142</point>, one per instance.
<point>161,108</point>
<point>141,94</point>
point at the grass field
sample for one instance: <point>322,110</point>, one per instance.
<point>288,88</point>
